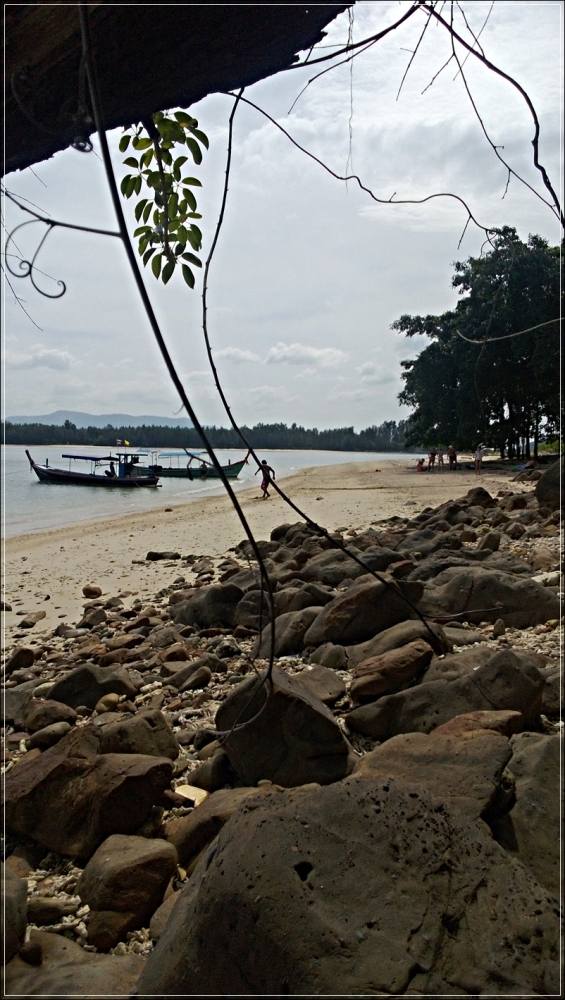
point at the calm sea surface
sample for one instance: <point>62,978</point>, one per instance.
<point>29,505</point>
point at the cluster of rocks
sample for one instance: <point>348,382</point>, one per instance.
<point>378,813</point>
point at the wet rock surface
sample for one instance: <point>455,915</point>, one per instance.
<point>135,728</point>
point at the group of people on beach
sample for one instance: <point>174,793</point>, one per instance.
<point>451,453</point>
<point>438,454</point>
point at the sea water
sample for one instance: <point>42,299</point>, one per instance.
<point>30,506</point>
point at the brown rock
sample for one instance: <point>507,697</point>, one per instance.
<point>364,609</point>
<point>323,683</point>
<point>47,737</point>
<point>20,659</point>
<point>39,714</point>
<point>91,590</point>
<point>390,671</point>
<point>147,732</point>
<point>462,768</point>
<point>14,909</point>
<point>92,617</point>
<point>31,618</point>
<point>85,685</point>
<point>70,798</point>
<point>506,723</point>
<point>48,910</point>
<point>128,875</point>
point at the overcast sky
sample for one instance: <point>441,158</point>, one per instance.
<point>309,273</point>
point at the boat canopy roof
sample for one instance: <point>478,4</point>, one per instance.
<point>90,458</point>
<point>181,454</point>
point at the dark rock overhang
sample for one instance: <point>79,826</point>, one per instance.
<point>149,58</point>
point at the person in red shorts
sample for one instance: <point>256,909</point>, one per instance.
<point>268,476</point>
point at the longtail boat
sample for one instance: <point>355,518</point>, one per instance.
<point>109,478</point>
<point>196,467</point>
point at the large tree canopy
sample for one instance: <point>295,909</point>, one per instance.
<point>502,392</point>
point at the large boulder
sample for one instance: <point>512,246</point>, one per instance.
<point>483,594</point>
<point>364,887</point>
<point>548,488</point>
<point>462,768</point>
<point>504,682</point>
<point>147,732</point>
<point>214,605</point>
<point>70,798</point>
<point>291,737</point>
<point>290,630</point>
<point>127,876</point>
<point>87,684</point>
<point>532,830</point>
<point>190,834</point>
<point>66,969</point>
<point>365,609</point>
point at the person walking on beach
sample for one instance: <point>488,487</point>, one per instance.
<point>431,459</point>
<point>479,453</point>
<point>440,459</point>
<point>268,472</point>
<point>452,456</point>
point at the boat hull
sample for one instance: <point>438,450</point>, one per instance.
<point>230,471</point>
<point>64,477</point>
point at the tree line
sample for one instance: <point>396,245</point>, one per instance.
<point>467,387</point>
<point>388,436</point>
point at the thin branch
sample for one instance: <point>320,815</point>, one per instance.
<point>57,222</point>
<point>493,146</point>
<point>357,45</point>
<point>435,76</point>
<point>393,200</point>
<point>469,28</point>
<point>478,35</point>
<point>18,300</point>
<point>323,73</point>
<point>413,56</point>
<point>356,48</point>
<point>514,83</point>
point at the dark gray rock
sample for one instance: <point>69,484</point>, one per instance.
<point>40,714</point>
<point>429,899</point>
<point>87,684</point>
<point>484,595</point>
<point>396,636</point>
<point>147,732</point>
<point>47,737</point>
<point>531,831</point>
<point>290,630</point>
<point>548,488</point>
<point>363,610</point>
<point>292,738</point>
<point>504,682</point>
<point>323,683</point>
<point>20,658</point>
<point>214,605</point>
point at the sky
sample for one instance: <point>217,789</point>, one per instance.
<point>309,273</point>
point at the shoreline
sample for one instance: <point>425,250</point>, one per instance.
<point>47,570</point>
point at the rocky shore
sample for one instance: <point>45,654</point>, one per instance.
<point>381,815</point>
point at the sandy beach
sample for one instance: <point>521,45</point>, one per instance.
<point>46,571</point>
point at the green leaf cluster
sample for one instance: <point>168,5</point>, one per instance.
<point>167,233</point>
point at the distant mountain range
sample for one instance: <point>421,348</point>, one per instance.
<point>58,417</point>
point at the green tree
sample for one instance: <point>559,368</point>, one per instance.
<point>503,391</point>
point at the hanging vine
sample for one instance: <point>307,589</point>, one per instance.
<point>168,235</point>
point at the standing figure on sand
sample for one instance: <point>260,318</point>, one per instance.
<point>452,457</point>
<point>479,454</point>
<point>268,476</point>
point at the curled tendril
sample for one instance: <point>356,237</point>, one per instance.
<point>26,268</point>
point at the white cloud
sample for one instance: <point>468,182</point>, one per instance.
<point>302,354</point>
<point>236,355</point>
<point>41,357</point>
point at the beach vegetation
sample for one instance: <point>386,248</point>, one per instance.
<point>491,370</point>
